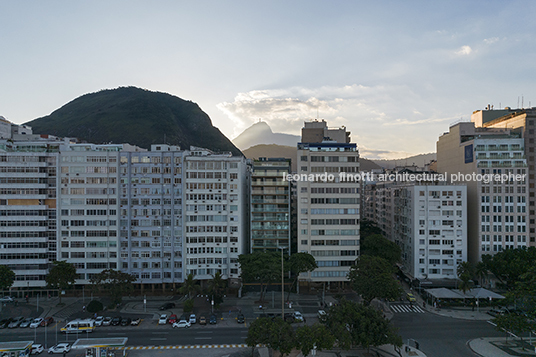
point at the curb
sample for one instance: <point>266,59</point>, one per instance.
<point>179,347</point>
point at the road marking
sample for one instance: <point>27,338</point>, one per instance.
<point>203,338</point>
<point>158,339</point>
<point>160,333</point>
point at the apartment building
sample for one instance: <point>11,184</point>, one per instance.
<point>216,227</point>
<point>270,204</point>
<point>28,215</point>
<point>328,205</point>
<point>491,162</point>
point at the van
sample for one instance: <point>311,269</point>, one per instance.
<point>79,325</point>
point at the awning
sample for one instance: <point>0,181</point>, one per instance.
<point>480,293</point>
<point>444,293</point>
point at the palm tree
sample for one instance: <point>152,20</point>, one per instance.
<point>465,272</point>
<point>481,272</point>
<point>216,287</point>
<point>190,286</point>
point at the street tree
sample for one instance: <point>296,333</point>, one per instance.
<point>190,286</point>
<point>509,264</point>
<point>356,324</point>
<point>373,277</point>
<point>368,228</point>
<point>61,276</point>
<point>481,272</point>
<point>312,337</point>
<point>260,267</point>
<point>114,283</point>
<point>378,246</point>
<point>517,324</point>
<point>216,287</point>
<point>300,263</point>
<point>273,333</point>
<point>7,277</point>
<point>465,272</point>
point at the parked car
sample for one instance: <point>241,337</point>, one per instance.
<point>7,299</point>
<point>107,321</point>
<point>167,306</point>
<point>162,320</point>
<point>116,321</point>
<point>47,321</point>
<point>298,316</point>
<point>36,322</point>
<point>60,348</point>
<point>16,322</point>
<point>202,320</point>
<point>26,322</point>
<point>99,320</point>
<point>192,319</point>
<point>5,322</point>
<point>135,321</point>
<point>213,320</point>
<point>172,319</point>
<point>321,315</point>
<point>125,321</point>
<point>37,349</point>
<point>181,324</point>
<point>240,319</point>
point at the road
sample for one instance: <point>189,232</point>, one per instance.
<point>149,335</point>
<point>440,336</point>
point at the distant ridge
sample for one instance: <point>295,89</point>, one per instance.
<point>261,133</point>
<point>134,116</point>
<point>419,160</point>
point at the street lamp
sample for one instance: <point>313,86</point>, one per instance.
<point>282,286</point>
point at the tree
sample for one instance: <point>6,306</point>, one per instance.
<point>315,336</point>
<point>378,246</point>
<point>356,324</point>
<point>7,277</point>
<point>261,267</point>
<point>373,277</point>
<point>300,263</point>
<point>368,228</point>
<point>61,276</point>
<point>481,272</point>
<point>190,286</point>
<point>508,265</point>
<point>465,272</point>
<point>517,324</point>
<point>116,284</point>
<point>275,334</point>
<point>216,287</point>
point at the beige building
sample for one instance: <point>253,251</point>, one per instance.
<point>497,212</point>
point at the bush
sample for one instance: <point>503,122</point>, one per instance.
<point>94,306</point>
<point>188,305</point>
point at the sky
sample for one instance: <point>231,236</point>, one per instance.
<point>395,73</point>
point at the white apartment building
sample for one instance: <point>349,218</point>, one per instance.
<point>216,205</point>
<point>328,210</point>
<point>497,209</point>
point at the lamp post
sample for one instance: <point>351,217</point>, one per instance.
<point>282,286</point>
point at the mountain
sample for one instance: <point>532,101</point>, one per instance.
<point>419,160</point>
<point>261,133</point>
<point>290,152</point>
<point>135,116</point>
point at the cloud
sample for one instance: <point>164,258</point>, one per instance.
<point>391,117</point>
<point>464,51</point>
<point>492,40</point>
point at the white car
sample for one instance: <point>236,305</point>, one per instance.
<point>60,348</point>
<point>6,299</point>
<point>99,320</point>
<point>193,319</point>
<point>107,321</point>
<point>298,316</point>
<point>322,315</point>
<point>181,324</point>
<point>36,322</point>
<point>37,349</point>
<point>163,319</point>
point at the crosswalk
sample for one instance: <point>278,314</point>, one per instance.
<point>404,308</point>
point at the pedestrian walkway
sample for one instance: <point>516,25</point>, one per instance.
<point>404,308</point>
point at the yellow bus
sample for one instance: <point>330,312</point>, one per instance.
<point>79,325</point>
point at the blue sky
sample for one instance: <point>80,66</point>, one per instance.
<point>395,73</point>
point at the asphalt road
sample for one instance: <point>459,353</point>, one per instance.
<point>440,336</point>
<point>150,335</point>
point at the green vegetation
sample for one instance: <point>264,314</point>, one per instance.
<point>116,284</point>
<point>188,305</point>
<point>190,286</point>
<point>61,276</point>
<point>216,288</point>
<point>378,246</point>
<point>7,277</point>
<point>134,116</point>
<point>260,267</point>
<point>95,306</point>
